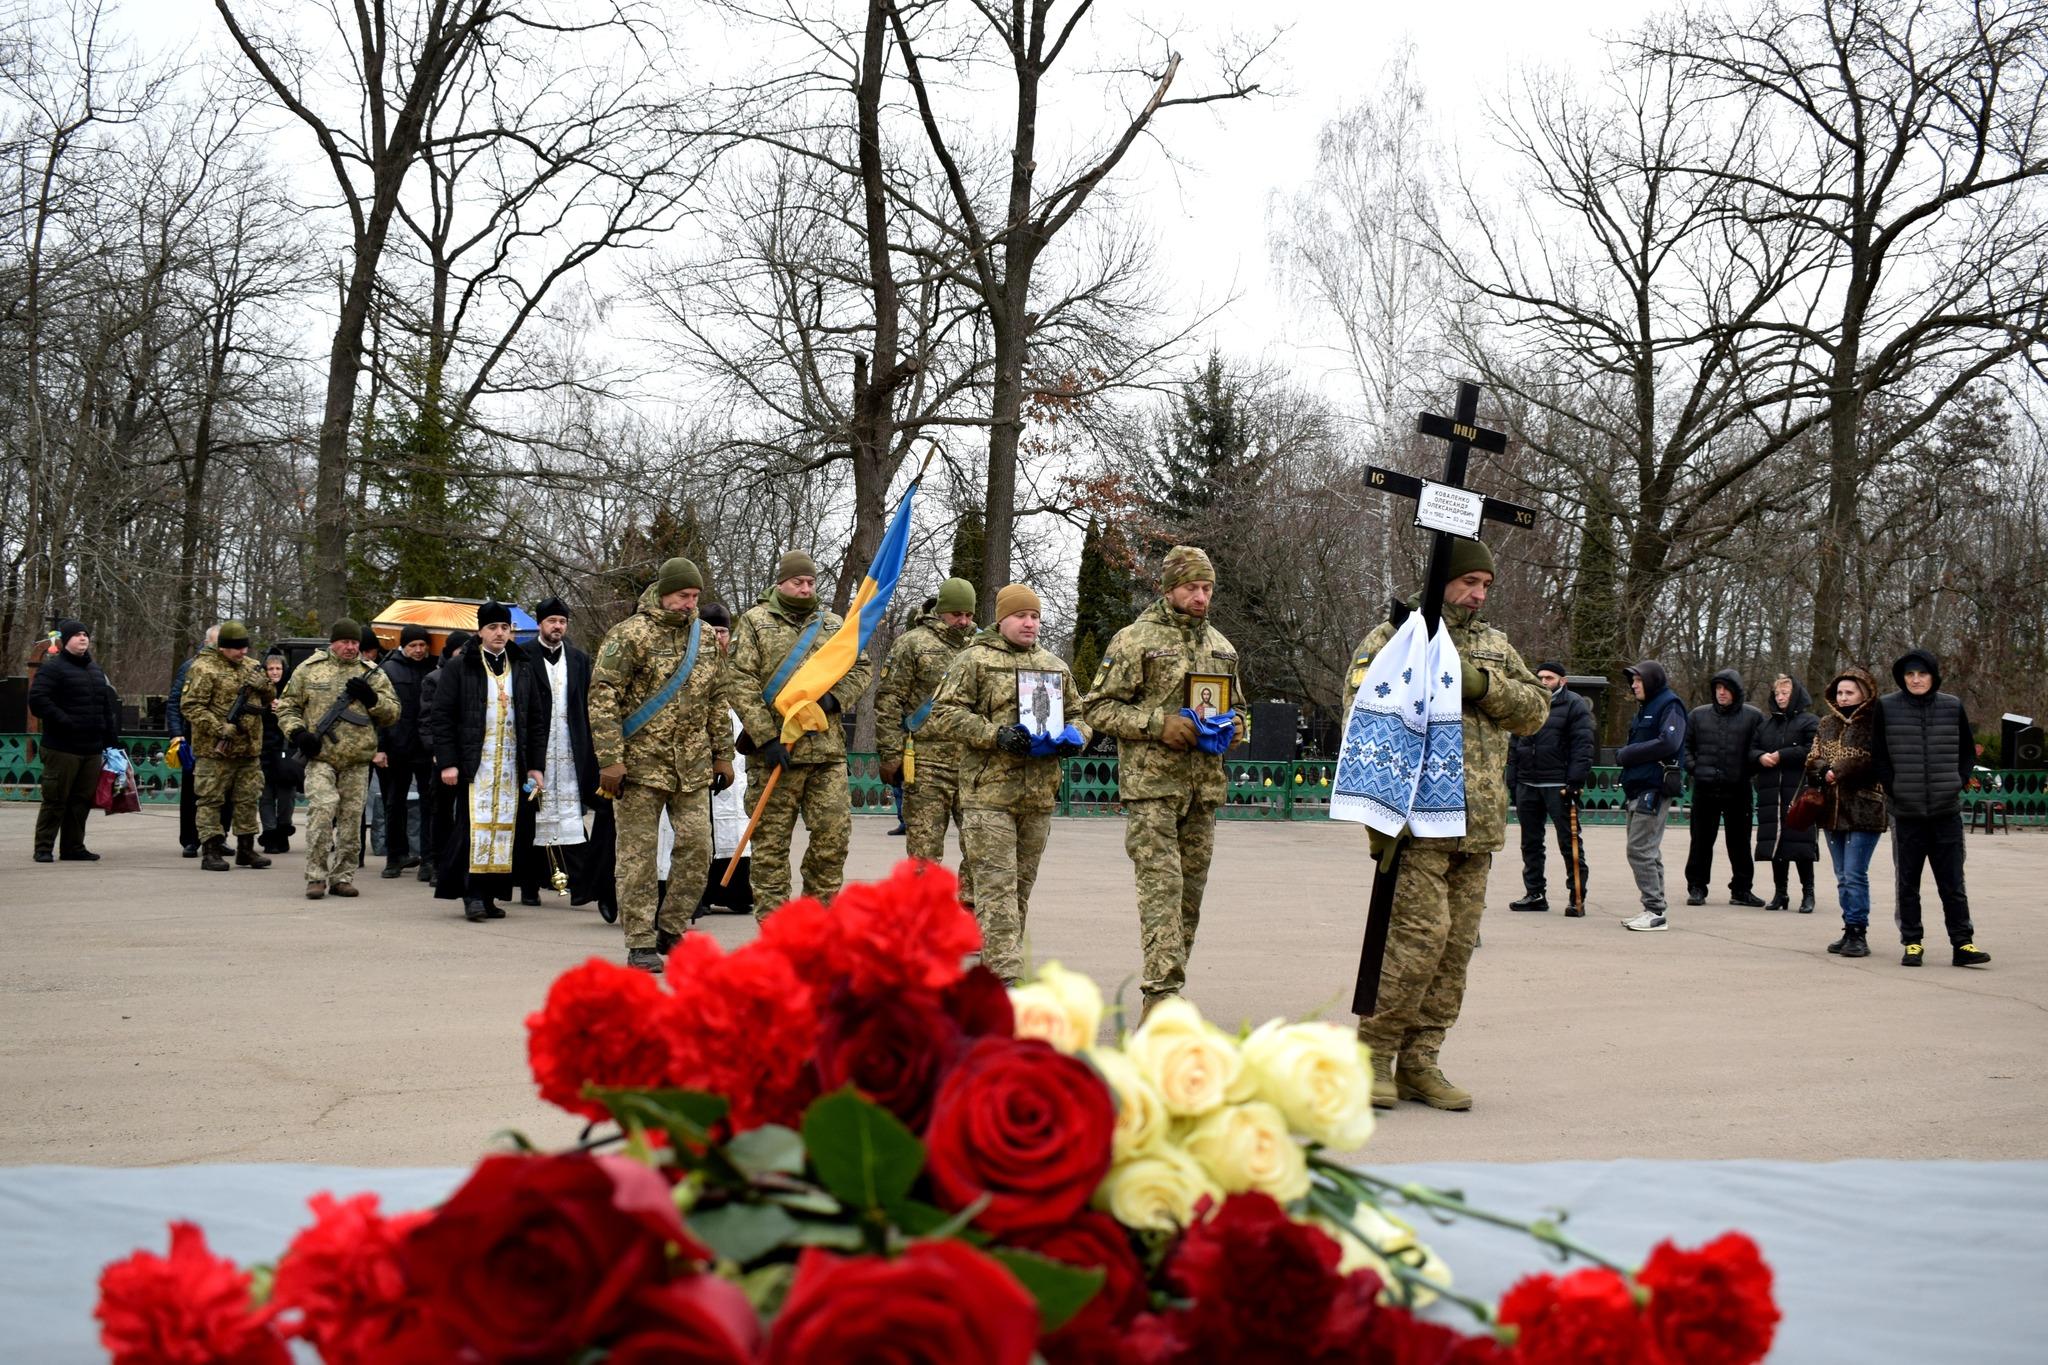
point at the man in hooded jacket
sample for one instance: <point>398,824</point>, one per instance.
<point>1718,739</point>
<point>1650,782</point>
<point>1925,754</point>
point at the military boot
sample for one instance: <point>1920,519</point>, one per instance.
<point>246,854</point>
<point>1427,1083</point>
<point>213,854</point>
<point>1383,1092</point>
<point>644,959</point>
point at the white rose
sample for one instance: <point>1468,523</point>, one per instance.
<point>1248,1147</point>
<point>1156,1192</point>
<point>1062,1007</point>
<point>1194,1064</point>
<point>1141,1117</point>
<point>1319,1076</point>
<point>1397,1239</point>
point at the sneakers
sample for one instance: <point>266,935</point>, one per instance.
<point>1649,922</point>
<point>1854,944</point>
<point>1427,1083</point>
<point>1384,1093</point>
<point>1535,902</point>
<point>645,959</point>
<point>1914,956</point>
<point>1969,955</point>
<point>1695,895</point>
<point>1748,898</point>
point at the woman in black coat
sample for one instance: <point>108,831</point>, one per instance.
<point>1778,754</point>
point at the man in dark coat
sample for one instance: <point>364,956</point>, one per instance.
<point>559,839</point>
<point>1718,738</point>
<point>1926,751</point>
<point>489,730</point>
<point>408,761</point>
<point>1656,742</point>
<point>81,720</point>
<point>1778,754</point>
<point>1546,772</point>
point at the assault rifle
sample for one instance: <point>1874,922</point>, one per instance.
<point>235,715</point>
<point>337,713</point>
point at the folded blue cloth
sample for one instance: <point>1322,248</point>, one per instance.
<point>1213,736</point>
<point>1067,741</point>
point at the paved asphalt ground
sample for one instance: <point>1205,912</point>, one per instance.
<point>152,1014</point>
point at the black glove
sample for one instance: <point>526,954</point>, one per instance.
<point>1014,739</point>
<point>829,704</point>
<point>1067,748</point>
<point>360,689</point>
<point>721,776</point>
<point>774,754</point>
<point>307,743</point>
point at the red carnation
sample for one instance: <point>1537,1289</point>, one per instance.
<point>697,1320</point>
<point>894,1049</point>
<point>743,1025</point>
<point>344,1279</point>
<point>190,1308</point>
<point>1712,1306</point>
<point>907,932</point>
<point>1398,1337</point>
<point>1094,1241</point>
<point>1024,1124</point>
<point>1588,1317</point>
<point>600,1026</point>
<point>939,1303</point>
<point>980,1003</point>
<point>535,1255</point>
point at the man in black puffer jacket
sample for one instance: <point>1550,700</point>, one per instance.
<point>1925,753</point>
<point>1546,771</point>
<point>1718,739</point>
<point>81,720</point>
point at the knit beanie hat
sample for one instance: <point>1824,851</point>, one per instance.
<point>715,614</point>
<point>1551,666</point>
<point>457,641</point>
<point>1015,598</point>
<point>345,629</point>
<point>1185,564</point>
<point>69,627</point>
<point>1468,556</point>
<point>415,631</point>
<point>795,564</point>
<point>371,640</point>
<point>677,575</point>
<point>956,594</point>
<point>493,614</point>
<point>233,635</point>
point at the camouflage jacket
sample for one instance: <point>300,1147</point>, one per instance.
<point>978,697</point>
<point>675,749</point>
<point>1514,704</point>
<point>910,677</point>
<point>211,685</point>
<point>761,639</point>
<point>1142,681</point>
<point>312,689</point>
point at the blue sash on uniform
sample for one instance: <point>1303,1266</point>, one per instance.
<point>920,715</point>
<point>796,656</point>
<point>652,707</point>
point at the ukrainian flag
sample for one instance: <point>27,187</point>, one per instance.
<point>819,674</point>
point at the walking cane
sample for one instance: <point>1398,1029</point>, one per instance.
<point>753,823</point>
<point>1577,909</point>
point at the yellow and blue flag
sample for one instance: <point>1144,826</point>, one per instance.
<point>819,674</point>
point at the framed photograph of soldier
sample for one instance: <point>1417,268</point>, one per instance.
<point>1039,706</point>
<point>1208,694</point>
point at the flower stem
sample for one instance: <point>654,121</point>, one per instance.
<point>1372,1189</point>
<point>1410,1279</point>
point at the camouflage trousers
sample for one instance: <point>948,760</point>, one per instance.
<point>1003,849</point>
<point>334,819</point>
<point>1437,904</point>
<point>1170,840</point>
<point>638,812</point>
<point>217,780</point>
<point>928,805</point>
<point>818,792</point>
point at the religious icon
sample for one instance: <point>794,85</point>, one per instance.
<point>1040,708</point>
<point>1208,694</point>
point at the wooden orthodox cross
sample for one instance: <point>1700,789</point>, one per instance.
<point>1448,509</point>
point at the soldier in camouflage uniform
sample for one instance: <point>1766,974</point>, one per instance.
<point>813,781</point>
<point>1170,788</point>
<point>337,767</point>
<point>1442,888</point>
<point>1007,796</point>
<point>228,762</point>
<point>910,678</point>
<point>669,760</point>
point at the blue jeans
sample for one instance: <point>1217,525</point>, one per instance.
<point>1850,852</point>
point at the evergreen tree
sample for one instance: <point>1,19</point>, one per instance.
<point>1205,446</point>
<point>1102,604</point>
<point>1595,613</point>
<point>969,534</point>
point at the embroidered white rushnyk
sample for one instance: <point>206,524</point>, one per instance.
<point>1402,764</point>
<point>494,795</point>
<point>560,821</point>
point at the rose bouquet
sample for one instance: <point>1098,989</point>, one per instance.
<point>836,1144</point>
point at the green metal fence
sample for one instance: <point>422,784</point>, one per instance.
<point>1258,791</point>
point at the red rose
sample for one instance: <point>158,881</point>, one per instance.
<point>1588,1317</point>
<point>939,1303</point>
<point>1094,1241</point>
<point>355,1303</point>
<point>907,932</point>
<point>893,1049</point>
<point>535,1255</point>
<point>600,1025</point>
<point>980,1003</point>
<point>743,1025</point>
<point>697,1320</point>
<point>1024,1124</point>
<point>190,1308</point>
<point>1712,1306</point>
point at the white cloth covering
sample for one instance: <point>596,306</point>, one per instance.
<point>1403,760</point>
